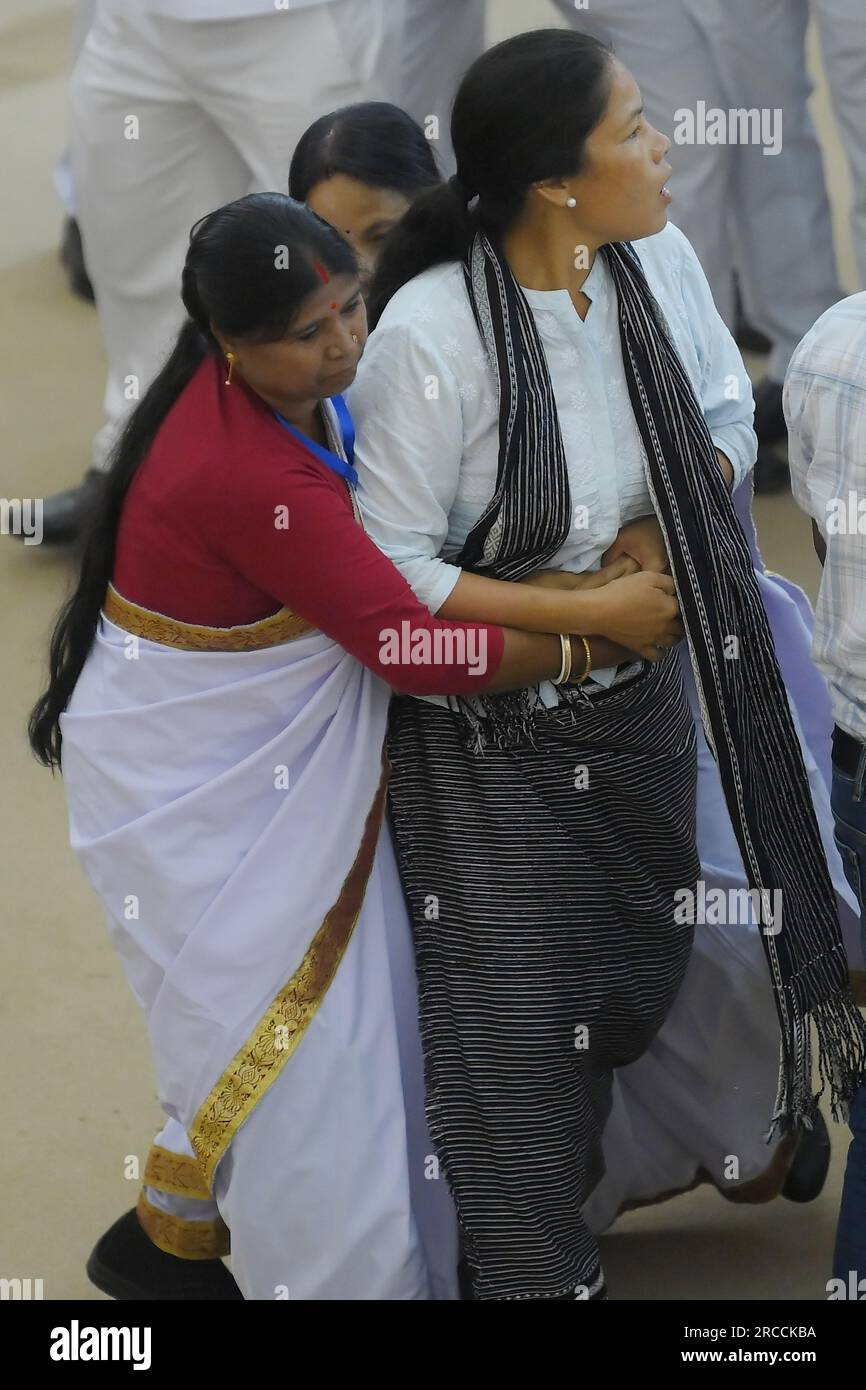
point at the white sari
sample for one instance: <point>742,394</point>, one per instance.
<point>226,805</point>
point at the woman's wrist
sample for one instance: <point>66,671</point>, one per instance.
<point>582,610</point>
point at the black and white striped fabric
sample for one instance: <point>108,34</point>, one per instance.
<point>743,701</point>
<point>540,882</point>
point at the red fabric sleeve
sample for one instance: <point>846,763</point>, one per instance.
<point>317,560</point>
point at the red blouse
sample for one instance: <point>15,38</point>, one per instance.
<point>230,518</point>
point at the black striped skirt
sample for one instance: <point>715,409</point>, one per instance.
<point>540,882</point>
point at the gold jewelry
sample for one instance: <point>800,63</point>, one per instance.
<point>231,359</point>
<point>588,667</point>
<point>354,337</point>
<point>565,668</point>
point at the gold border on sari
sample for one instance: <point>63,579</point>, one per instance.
<point>258,1063</point>
<point>284,626</point>
<point>188,1240</point>
<point>176,1173</point>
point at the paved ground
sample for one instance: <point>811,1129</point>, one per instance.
<point>75,1061</point>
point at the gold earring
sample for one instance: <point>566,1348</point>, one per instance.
<point>231,359</point>
<point>354,337</point>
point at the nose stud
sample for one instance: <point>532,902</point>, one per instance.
<point>571,203</point>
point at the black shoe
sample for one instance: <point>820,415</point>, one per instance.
<point>65,515</point>
<point>72,259</point>
<point>770,424</point>
<point>771,471</point>
<point>127,1265</point>
<point>808,1172</point>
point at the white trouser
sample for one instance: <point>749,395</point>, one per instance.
<point>171,119</point>
<point>175,1139</point>
<point>63,182</point>
<point>443,38</point>
<point>765,215</point>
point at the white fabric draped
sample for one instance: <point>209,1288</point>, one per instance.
<point>217,803</point>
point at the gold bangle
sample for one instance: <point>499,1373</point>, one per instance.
<point>588,666</point>
<point>588,671</point>
<point>565,668</point>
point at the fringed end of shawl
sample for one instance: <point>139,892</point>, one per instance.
<point>840,1033</point>
<point>497,721</point>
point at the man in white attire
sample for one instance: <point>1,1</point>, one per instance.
<point>442,38</point>
<point>179,106</point>
<point>766,216</point>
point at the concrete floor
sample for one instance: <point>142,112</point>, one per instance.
<point>76,1065</point>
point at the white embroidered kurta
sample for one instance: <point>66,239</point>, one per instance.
<point>426,411</point>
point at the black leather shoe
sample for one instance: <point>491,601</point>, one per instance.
<point>808,1172</point>
<point>127,1265</point>
<point>771,471</point>
<point>72,259</point>
<point>770,424</point>
<point>65,515</point>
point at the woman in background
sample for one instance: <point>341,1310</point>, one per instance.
<point>361,168</point>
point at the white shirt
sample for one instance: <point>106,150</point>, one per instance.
<point>825,407</point>
<point>426,412</point>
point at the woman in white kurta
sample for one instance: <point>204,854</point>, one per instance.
<point>682,1107</point>
<point>445,475</point>
<point>433,449</point>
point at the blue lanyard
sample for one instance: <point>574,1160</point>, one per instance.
<point>332,460</point>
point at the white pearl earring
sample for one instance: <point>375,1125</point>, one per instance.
<point>571,203</point>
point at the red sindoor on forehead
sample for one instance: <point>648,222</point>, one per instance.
<point>321,272</point>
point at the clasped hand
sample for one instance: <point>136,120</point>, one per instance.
<point>639,547</point>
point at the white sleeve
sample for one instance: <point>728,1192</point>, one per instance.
<point>725,388</point>
<point>409,445</point>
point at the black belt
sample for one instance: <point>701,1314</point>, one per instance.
<point>847,751</point>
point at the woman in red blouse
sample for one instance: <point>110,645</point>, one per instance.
<point>218,692</point>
